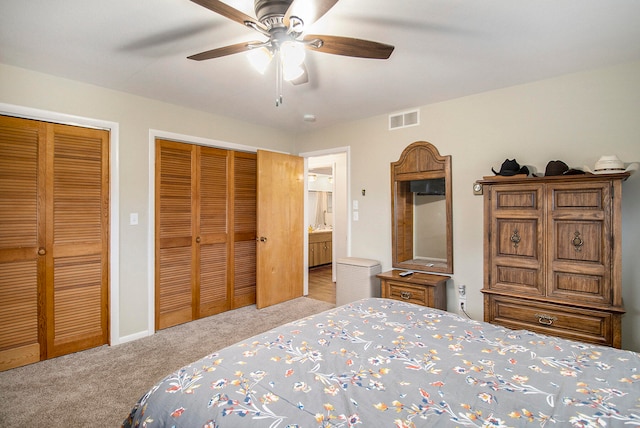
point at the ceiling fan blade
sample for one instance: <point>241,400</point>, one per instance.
<point>349,46</point>
<point>304,78</point>
<point>308,10</point>
<point>227,50</point>
<point>227,11</point>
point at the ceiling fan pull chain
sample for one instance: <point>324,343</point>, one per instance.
<point>278,79</point>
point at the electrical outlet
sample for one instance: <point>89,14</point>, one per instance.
<point>462,299</point>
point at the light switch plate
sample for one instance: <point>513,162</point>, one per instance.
<point>133,219</point>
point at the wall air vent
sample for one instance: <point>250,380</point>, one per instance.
<point>404,119</point>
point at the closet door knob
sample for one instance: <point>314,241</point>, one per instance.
<point>198,240</point>
<point>42,251</point>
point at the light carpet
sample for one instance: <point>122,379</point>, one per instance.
<point>98,387</point>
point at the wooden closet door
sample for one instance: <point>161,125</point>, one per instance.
<point>21,235</point>
<point>176,195</point>
<point>54,240</point>
<point>212,234</point>
<point>77,239</point>
<point>244,229</point>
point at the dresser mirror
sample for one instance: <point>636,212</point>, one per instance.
<point>421,210</point>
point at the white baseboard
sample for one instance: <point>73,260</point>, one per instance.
<point>135,336</point>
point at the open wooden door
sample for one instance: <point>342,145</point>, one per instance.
<point>280,234</point>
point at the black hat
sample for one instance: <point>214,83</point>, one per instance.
<point>556,167</point>
<point>511,167</point>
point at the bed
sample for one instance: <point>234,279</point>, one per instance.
<point>386,363</point>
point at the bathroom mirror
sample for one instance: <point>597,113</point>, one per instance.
<point>422,231</point>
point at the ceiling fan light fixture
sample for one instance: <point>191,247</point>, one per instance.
<point>260,58</point>
<point>283,23</point>
<point>292,53</point>
<point>290,72</point>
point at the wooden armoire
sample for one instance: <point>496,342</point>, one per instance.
<point>205,231</point>
<point>552,255</point>
<point>54,240</point>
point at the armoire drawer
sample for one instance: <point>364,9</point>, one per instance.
<point>587,325</point>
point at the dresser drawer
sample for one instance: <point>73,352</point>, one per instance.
<point>586,325</point>
<point>406,292</point>
<point>424,289</point>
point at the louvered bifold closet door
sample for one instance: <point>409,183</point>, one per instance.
<point>21,235</point>
<point>212,242</point>
<point>77,234</point>
<point>244,200</point>
<point>175,233</point>
<point>54,240</point>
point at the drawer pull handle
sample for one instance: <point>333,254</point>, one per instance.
<point>515,238</point>
<point>406,295</point>
<point>546,319</point>
<point>577,241</point>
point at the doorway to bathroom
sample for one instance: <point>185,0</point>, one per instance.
<point>326,212</point>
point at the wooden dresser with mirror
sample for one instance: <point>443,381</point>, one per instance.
<point>552,255</point>
<point>422,237</point>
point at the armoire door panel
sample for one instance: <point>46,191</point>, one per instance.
<point>518,238</point>
<point>580,244</point>
<point>579,241</point>
<point>586,198</point>
<point>518,278</point>
<point>593,288</point>
<point>519,200</point>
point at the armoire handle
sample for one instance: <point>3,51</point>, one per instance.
<point>545,319</point>
<point>577,241</point>
<point>515,238</point>
<point>42,251</point>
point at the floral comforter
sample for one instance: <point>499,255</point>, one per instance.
<point>385,363</point>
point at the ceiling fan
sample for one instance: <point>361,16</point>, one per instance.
<point>283,22</point>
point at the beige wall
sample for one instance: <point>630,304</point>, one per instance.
<point>135,116</point>
<point>575,118</point>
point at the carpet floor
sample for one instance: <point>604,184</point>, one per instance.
<point>98,387</point>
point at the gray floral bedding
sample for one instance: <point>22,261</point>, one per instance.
<point>385,363</point>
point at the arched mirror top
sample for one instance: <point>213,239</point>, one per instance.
<point>421,202</point>
<point>421,157</point>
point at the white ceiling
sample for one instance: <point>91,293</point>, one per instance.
<point>444,49</point>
